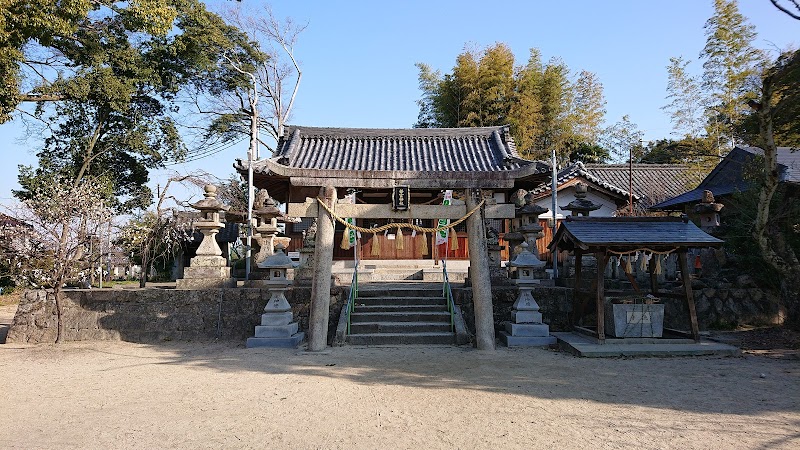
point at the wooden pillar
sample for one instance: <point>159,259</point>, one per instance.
<point>601,269</point>
<point>479,276</point>
<point>653,277</point>
<point>321,284</point>
<point>577,292</point>
<point>687,288</point>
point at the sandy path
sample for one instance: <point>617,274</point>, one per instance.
<point>121,395</point>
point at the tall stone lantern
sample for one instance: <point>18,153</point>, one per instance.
<point>266,229</point>
<point>526,328</point>
<point>278,328</point>
<point>209,269</point>
<point>529,223</point>
<point>581,206</point>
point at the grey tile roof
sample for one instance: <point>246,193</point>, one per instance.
<point>622,233</point>
<point>484,149</point>
<point>578,169</point>
<point>652,183</point>
<point>726,178</point>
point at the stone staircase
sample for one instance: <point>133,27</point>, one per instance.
<point>402,313</point>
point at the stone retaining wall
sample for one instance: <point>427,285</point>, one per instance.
<point>151,315</point>
<point>555,304</point>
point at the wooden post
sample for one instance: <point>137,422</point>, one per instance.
<point>687,288</point>
<point>479,276</point>
<point>601,269</point>
<point>577,309</point>
<point>653,277</point>
<point>321,284</point>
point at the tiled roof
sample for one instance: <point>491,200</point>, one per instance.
<point>621,233</point>
<point>484,149</point>
<point>578,169</point>
<point>726,178</point>
<point>652,183</point>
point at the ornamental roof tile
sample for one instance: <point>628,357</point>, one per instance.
<point>483,149</point>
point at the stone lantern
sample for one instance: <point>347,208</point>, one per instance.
<point>526,328</point>
<point>581,206</point>
<point>529,222</point>
<point>278,328</point>
<point>209,269</point>
<point>708,211</point>
<point>266,229</point>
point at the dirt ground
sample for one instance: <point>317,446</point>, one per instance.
<point>220,395</point>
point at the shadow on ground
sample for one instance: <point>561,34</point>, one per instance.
<point>743,386</point>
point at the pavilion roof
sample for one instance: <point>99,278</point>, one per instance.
<point>630,233</point>
<point>420,157</point>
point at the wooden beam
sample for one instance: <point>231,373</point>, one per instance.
<point>601,269</point>
<point>577,311</point>
<point>687,288</point>
<point>383,211</point>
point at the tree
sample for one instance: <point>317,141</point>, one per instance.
<point>687,100</point>
<point>543,107</point>
<point>104,79</point>
<point>794,13</point>
<point>624,139</point>
<point>731,64</point>
<point>589,107</point>
<point>63,217</point>
<point>780,96</point>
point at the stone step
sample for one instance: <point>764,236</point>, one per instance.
<point>397,301</point>
<point>399,327</point>
<point>370,308</point>
<point>360,317</point>
<point>400,292</point>
<point>432,338</point>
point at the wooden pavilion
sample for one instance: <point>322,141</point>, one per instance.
<point>617,236</point>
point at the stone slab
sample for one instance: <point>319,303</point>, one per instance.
<point>528,329</point>
<point>290,342</point>
<point>205,283</point>
<point>580,345</point>
<point>208,261</point>
<point>526,341</point>
<point>277,319</point>
<point>276,331</point>
<point>207,272</point>
<point>526,316</point>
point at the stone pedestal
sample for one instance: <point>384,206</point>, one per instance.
<point>208,269</point>
<point>527,329</point>
<point>278,328</point>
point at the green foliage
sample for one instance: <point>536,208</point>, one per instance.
<point>544,108</point>
<point>686,99</point>
<point>731,67</point>
<point>588,153</point>
<point>105,78</point>
<point>624,139</point>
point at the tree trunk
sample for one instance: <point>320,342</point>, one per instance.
<point>59,313</point>
<point>145,262</point>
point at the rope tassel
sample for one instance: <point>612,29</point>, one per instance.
<point>658,265</point>
<point>398,239</point>
<point>453,240</point>
<point>376,246</point>
<point>628,268</point>
<point>345,245</point>
<point>422,244</point>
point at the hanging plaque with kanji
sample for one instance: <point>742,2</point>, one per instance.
<point>400,198</point>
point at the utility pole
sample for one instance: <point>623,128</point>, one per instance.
<point>554,197</point>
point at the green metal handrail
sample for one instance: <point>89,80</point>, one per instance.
<point>352,297</point>
<point>447,293</point>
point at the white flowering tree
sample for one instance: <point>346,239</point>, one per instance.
<point>49,246</point>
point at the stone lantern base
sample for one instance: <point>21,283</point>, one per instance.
<point>527,329</point>
<point>206,272</point>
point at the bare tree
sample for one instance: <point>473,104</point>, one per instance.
<point>787,8</point>
<point>59,221</point>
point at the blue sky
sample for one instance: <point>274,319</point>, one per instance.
<point>358,57</point>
